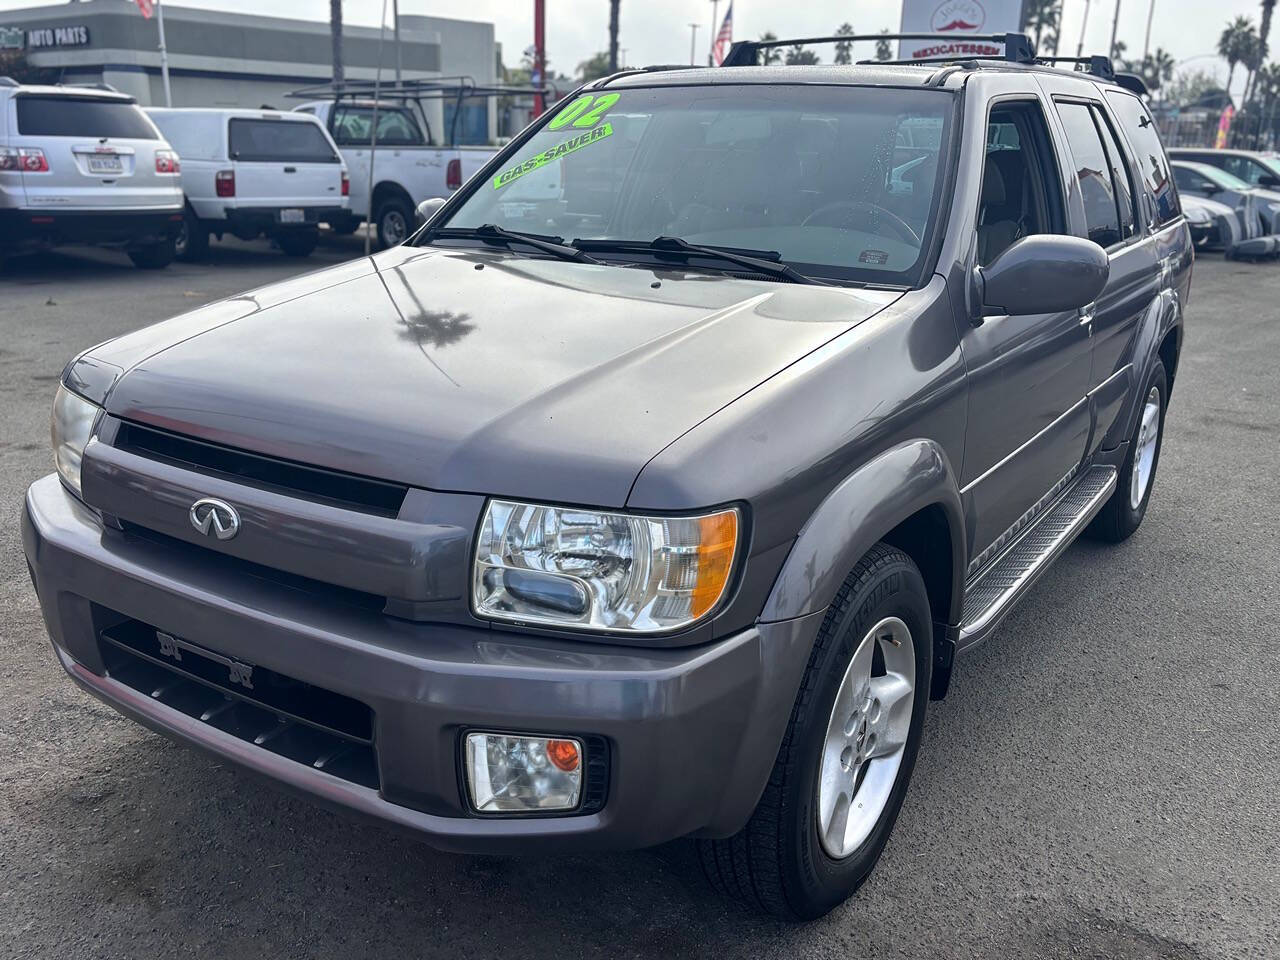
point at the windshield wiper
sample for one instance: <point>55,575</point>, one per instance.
<point>758,261</point>
<point>493,232</point>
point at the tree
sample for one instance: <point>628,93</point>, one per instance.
<point>1235,44</point>
<point>1155,69</point>
<point>1195,88</point>
<point>1041,18</point>
<point>884,49</point>
<point>1117,51</point>
<point>595,67</point>
<point>335,35</point>
<point>799,56</point>
<point>1264,31</point>
<point>769,55</point>
<point>844,48</point>
<point>14,63</point>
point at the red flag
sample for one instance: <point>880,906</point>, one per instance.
<point>724,39</point>
<point>147,7</point>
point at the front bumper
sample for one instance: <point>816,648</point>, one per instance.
<point>32,229</point>
<point>691,733</point>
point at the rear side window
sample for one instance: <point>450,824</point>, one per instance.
<point>1152,164</point>
<point>283,141</point>
<point>1120,177</point>
<point>354,125</point>
<point>82,117</point>
<point>1093,174</point>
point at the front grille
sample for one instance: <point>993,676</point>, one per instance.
<point>266,473</point>
<point>304,723</point>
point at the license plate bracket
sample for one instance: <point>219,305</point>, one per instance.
<point>109,164</point>
<point>293,215</point>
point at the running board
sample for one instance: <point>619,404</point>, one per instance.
<point>995,591</point>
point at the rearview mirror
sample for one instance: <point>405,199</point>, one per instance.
<point>427,208</point>
<point>1045,273</point>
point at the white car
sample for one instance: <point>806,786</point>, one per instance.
<point>408,168</point>
<point>85,165</point>
<point>250,173</point>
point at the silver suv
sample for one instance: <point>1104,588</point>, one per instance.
<point>85,165</point>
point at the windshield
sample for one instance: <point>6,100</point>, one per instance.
<point>1223,179</point>
<point>841,181</point>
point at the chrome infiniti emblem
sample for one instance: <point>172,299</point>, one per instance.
<point>215,517</point>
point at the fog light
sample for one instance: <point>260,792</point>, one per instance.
<point>509,774</point>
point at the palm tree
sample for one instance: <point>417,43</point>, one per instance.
<point>884,50</point>
<point>1264,31</point>
<point>769,55</point>
<point>335,33</point>
<point>1234,44</point>
<point>799,56</point>
<point>1041,18</point>
<point>844,48</point>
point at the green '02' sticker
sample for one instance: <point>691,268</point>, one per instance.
<point>553,153</point>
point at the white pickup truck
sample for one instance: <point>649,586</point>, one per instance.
<point>410,164</point>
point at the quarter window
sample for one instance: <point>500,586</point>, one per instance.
<point>1093,173</point>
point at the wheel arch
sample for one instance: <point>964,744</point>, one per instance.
<point>908,497</point>
<point>387,190</point>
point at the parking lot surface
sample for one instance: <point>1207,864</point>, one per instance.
<point>1101,781</point>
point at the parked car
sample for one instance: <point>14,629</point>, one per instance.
<point>252,173</point>
<point>410,164</point>
<point>1213,225</point>
<point>85,165</point>
<point>1256,209</point>
<point>657,508</point>
<point>1254,168</point>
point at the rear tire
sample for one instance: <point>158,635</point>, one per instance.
<point>155,256</point>
<point>394,221</point>
<point>796,858</point>
<point>1123,512</point>
<point>192,241</point>
<point>298,243</point>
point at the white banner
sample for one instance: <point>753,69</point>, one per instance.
<point>954,19</point>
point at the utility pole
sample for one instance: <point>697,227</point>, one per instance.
<point>1083,27</point>
<point>1115,27</point>
<point>1146,44</point>
<point>693,42</point>
<point>1057,34</point>
<point>715,25</point>
<point>335,34</point>
<point>164,55</point>
<point>539,77</point>
<point>613,35</point>
<point>395,17</point>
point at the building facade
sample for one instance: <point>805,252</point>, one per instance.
<point>221,59</point>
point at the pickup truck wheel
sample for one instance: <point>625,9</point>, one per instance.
<point>1122,514</point>
<point>155,256</point>
<point>192,241</point>
<point>846,758</point>
<point>393,222</point>
<point>298,243</point>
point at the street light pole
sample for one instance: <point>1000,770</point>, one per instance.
<point>395,26</point>
<point>1146,44</point>
<point>715,25</point>
<point>1083,26</point>
<point>164,55</point>
<point>693,42</point>
<point>1115,26</point>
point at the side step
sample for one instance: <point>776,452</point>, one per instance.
<point>996,590</point>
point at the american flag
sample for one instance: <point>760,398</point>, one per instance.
<point>147,7</point>
<point>720,49</point>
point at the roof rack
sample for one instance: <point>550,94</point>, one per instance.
<point>1018,47</point>
<point>432,88</point>
<point>1096,66</point>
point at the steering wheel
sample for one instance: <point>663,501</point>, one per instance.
<point>850,208</point>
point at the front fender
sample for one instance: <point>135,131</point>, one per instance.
<point>866,506</point>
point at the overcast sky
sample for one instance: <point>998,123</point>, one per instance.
<point>657,31</point>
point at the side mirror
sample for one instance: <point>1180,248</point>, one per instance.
<point>1269,180</point>
<point>427,208</point>
<point>1046,273</point>
<point>1209,189</point>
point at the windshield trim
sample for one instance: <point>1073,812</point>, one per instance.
<point>939,210</point>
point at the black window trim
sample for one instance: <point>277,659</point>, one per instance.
<point>1093,106</point>
<point>1055,206</point>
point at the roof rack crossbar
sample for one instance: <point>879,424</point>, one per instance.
<point>1018,47</point>
<point>1097,66</point>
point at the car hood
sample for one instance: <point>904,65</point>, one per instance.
<point>473,371</point>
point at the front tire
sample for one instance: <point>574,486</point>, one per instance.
<point>1123,512</point>
<point>846,759</point>
<point>155,256</point>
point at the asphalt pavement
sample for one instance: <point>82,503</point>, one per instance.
<point>1102,782</point>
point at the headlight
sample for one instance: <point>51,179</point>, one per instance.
<point>72,423</point>
<point>578,568</point>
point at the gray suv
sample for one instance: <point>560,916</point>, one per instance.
<point>653,487</point>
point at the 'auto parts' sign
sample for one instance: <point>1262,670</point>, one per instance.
<point>956,22</point>
<point>43,38</point>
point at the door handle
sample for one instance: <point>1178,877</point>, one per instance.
<point>290,169</point>
<point>1086,316</point>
